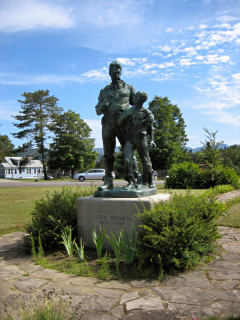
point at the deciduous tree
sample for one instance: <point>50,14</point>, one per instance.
<point>169,133</point>
<point>6,147</point>
<point>231,157</point>
<point>72,147</point>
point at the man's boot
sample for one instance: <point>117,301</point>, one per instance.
<point>108,184</point>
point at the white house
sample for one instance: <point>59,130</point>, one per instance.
<point>10,169</point>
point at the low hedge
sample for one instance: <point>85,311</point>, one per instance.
<point>177,234</point>
<point>52,214</point>
<point>188,175</point>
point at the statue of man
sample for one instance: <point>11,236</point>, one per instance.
<point>113,100</point>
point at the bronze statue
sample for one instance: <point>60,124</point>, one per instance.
<point>138,123</point>
<point>113,100</point>
<point>133,128</point>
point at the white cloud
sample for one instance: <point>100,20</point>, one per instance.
<point>20,79</point>
<point>225,117</point>
<point>236,76</point>
<point>169,29</point>
<point>214,59</point>
<point>222,95</point>
<point>21,15</point>
<point>165,48</point>
<point>186,62</point>
<point>191,51</point>
<point>199,57</point>
<point>95,75</point>
<point>148,66</point>
<point>211,38</point>
<point>126,61</point>
<point>226,18</point>
<point>202,26</point>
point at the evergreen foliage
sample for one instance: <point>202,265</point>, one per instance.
<point>178,234</point>
<point>38,111</point>
<point>211,152</point>
<point>52,214</point>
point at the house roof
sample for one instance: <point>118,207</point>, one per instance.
<point>13,162</point>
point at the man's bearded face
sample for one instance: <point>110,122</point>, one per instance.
<point>115,73</point>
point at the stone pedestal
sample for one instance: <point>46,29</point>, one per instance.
<point>111,214</point>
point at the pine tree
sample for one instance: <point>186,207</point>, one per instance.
<point>38,110</point>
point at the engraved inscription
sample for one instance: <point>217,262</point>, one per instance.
<point>108,220</point>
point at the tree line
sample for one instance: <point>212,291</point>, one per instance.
<point>62,139</point>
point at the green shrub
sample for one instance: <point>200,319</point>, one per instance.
<point>188,175</point>
<point>52,214</point>
<point>220,189</point>
<point>183,175</point>
<point>177,234</point>
<point>219,175</point>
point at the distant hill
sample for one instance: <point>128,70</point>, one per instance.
<point>221,146</point>
<point>33,152</point>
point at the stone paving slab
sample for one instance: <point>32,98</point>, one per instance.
<point>213,289</point>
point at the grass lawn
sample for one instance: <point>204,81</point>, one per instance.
<point>232,218</point>
<point>161,189</point>
<point>16,205</point>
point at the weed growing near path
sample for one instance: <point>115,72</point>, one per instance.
<point>46,310</point>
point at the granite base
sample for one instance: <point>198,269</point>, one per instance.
<point>111,214</point>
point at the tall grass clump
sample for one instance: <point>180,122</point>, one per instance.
<point>128,247</point>
<point>98,239</point>
<point>46,310</point>
<point>176,235</point>
<point>115,242</point>
<point>79,250</point>
<point>53,213</point>
<point>67,240</point>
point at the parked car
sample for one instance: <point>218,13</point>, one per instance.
<point>93,174</point>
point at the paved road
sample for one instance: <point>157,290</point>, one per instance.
<point>8,183</point>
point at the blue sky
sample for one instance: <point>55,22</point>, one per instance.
<point>187,50</point>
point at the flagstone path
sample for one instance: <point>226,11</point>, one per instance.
<point>212,290</point>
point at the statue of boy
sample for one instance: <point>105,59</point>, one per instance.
<point>113,100</point>
<point>138,122</point>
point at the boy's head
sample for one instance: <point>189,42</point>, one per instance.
<point>140,97</point>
